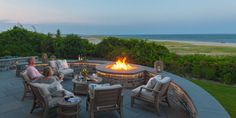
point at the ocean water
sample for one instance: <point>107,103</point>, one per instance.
<point>219,38</point>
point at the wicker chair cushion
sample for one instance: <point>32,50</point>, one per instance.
<point>157,86</point>
<point>144,93</point>
<point>66,71</point>
<point>103,87</point>
<point>108,87</point>
<point>152,81</point>
<point>165,80</point>
<point>165,83</point>
<point>54,101</point>
<point>53,64</point>
<point>59,64</point>
<point>57,89</point>
<point>57,94</point>
<point>43,89</point>
<point>64,64</point>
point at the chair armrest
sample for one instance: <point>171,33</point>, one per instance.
<point>90,95</point>
<point>148,89</point>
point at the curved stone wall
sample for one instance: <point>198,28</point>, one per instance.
<point>204,105</point>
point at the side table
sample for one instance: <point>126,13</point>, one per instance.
<point>81,87</point>
<point>68,109</point>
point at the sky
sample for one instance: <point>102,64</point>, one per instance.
<point>117,17</point>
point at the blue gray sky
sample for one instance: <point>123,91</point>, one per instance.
<point>121,16</point>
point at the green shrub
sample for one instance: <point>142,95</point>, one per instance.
<point>228,78</point>
<point>21,42</point>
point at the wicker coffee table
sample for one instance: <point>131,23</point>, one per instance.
<point>81,87</point>
<point>68,109</point>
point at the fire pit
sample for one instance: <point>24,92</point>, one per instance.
<point>120,72</point>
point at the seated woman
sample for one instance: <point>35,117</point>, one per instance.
<point>48,76</point>
<point>52,83</point>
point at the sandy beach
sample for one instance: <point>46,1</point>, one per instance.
<point>96,40</point>
<point>199,43</point>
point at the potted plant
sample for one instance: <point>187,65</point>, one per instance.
<point>84,73</point>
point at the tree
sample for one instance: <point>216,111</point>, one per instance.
<point>58,34</point>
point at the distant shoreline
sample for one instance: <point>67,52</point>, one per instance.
<point>197,42</point>
<point>96,40</point>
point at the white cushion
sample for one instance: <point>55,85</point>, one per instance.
<point>107,87</point>
<point>151,83</point>
<point>102,87</point>
<point>157,86</point>
<point>145,94</point>
<point>53,64</point>
<point>158,77</point>
<point>165,80</point>
<point>64,64</point>
<point>164,85</point>
<point>66,71</point>
<point>59,64</point>
<point>43,89</point>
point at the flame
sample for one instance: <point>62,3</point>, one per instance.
<point>121,65</point>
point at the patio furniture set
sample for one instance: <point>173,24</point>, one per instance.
<point>100,96</point>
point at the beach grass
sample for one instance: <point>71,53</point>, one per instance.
<point>186,48</point>
<point>183,48</point>
<point>225,94</point>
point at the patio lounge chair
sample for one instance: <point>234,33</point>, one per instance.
<point>43,98</point>
<point>61,67</point>
<point>25,80</point>
<point>154,95</point>
<point>107,98</point>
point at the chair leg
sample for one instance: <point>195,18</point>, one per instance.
<point>157,109</point>
<point>132,101</point>
<point>22,99</point>
<point>33,106</point>
<point>167,101</point>
<point>45,113</point>
<point>121,113</point>
<point>91,114</point>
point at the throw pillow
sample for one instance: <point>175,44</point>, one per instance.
<point>165,80</point>
<point>53,64</point>
<point>158,77</point>
<point>151,83</point>
<point>59,64</point>
<point>64,64</point>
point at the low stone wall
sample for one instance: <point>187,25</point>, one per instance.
<point>10,63</point>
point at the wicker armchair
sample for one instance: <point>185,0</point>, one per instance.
<point>43,100</point>
<point>25,81</point>
<point>152,96</point>
<point>107,98</point>
<point>61,67</point>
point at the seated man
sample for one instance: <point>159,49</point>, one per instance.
<point>36,76</point>
<point>32,72</point>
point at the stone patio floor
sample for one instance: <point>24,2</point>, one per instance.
<point>11,106</point>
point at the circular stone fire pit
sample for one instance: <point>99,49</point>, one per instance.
<point>127,78</point>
